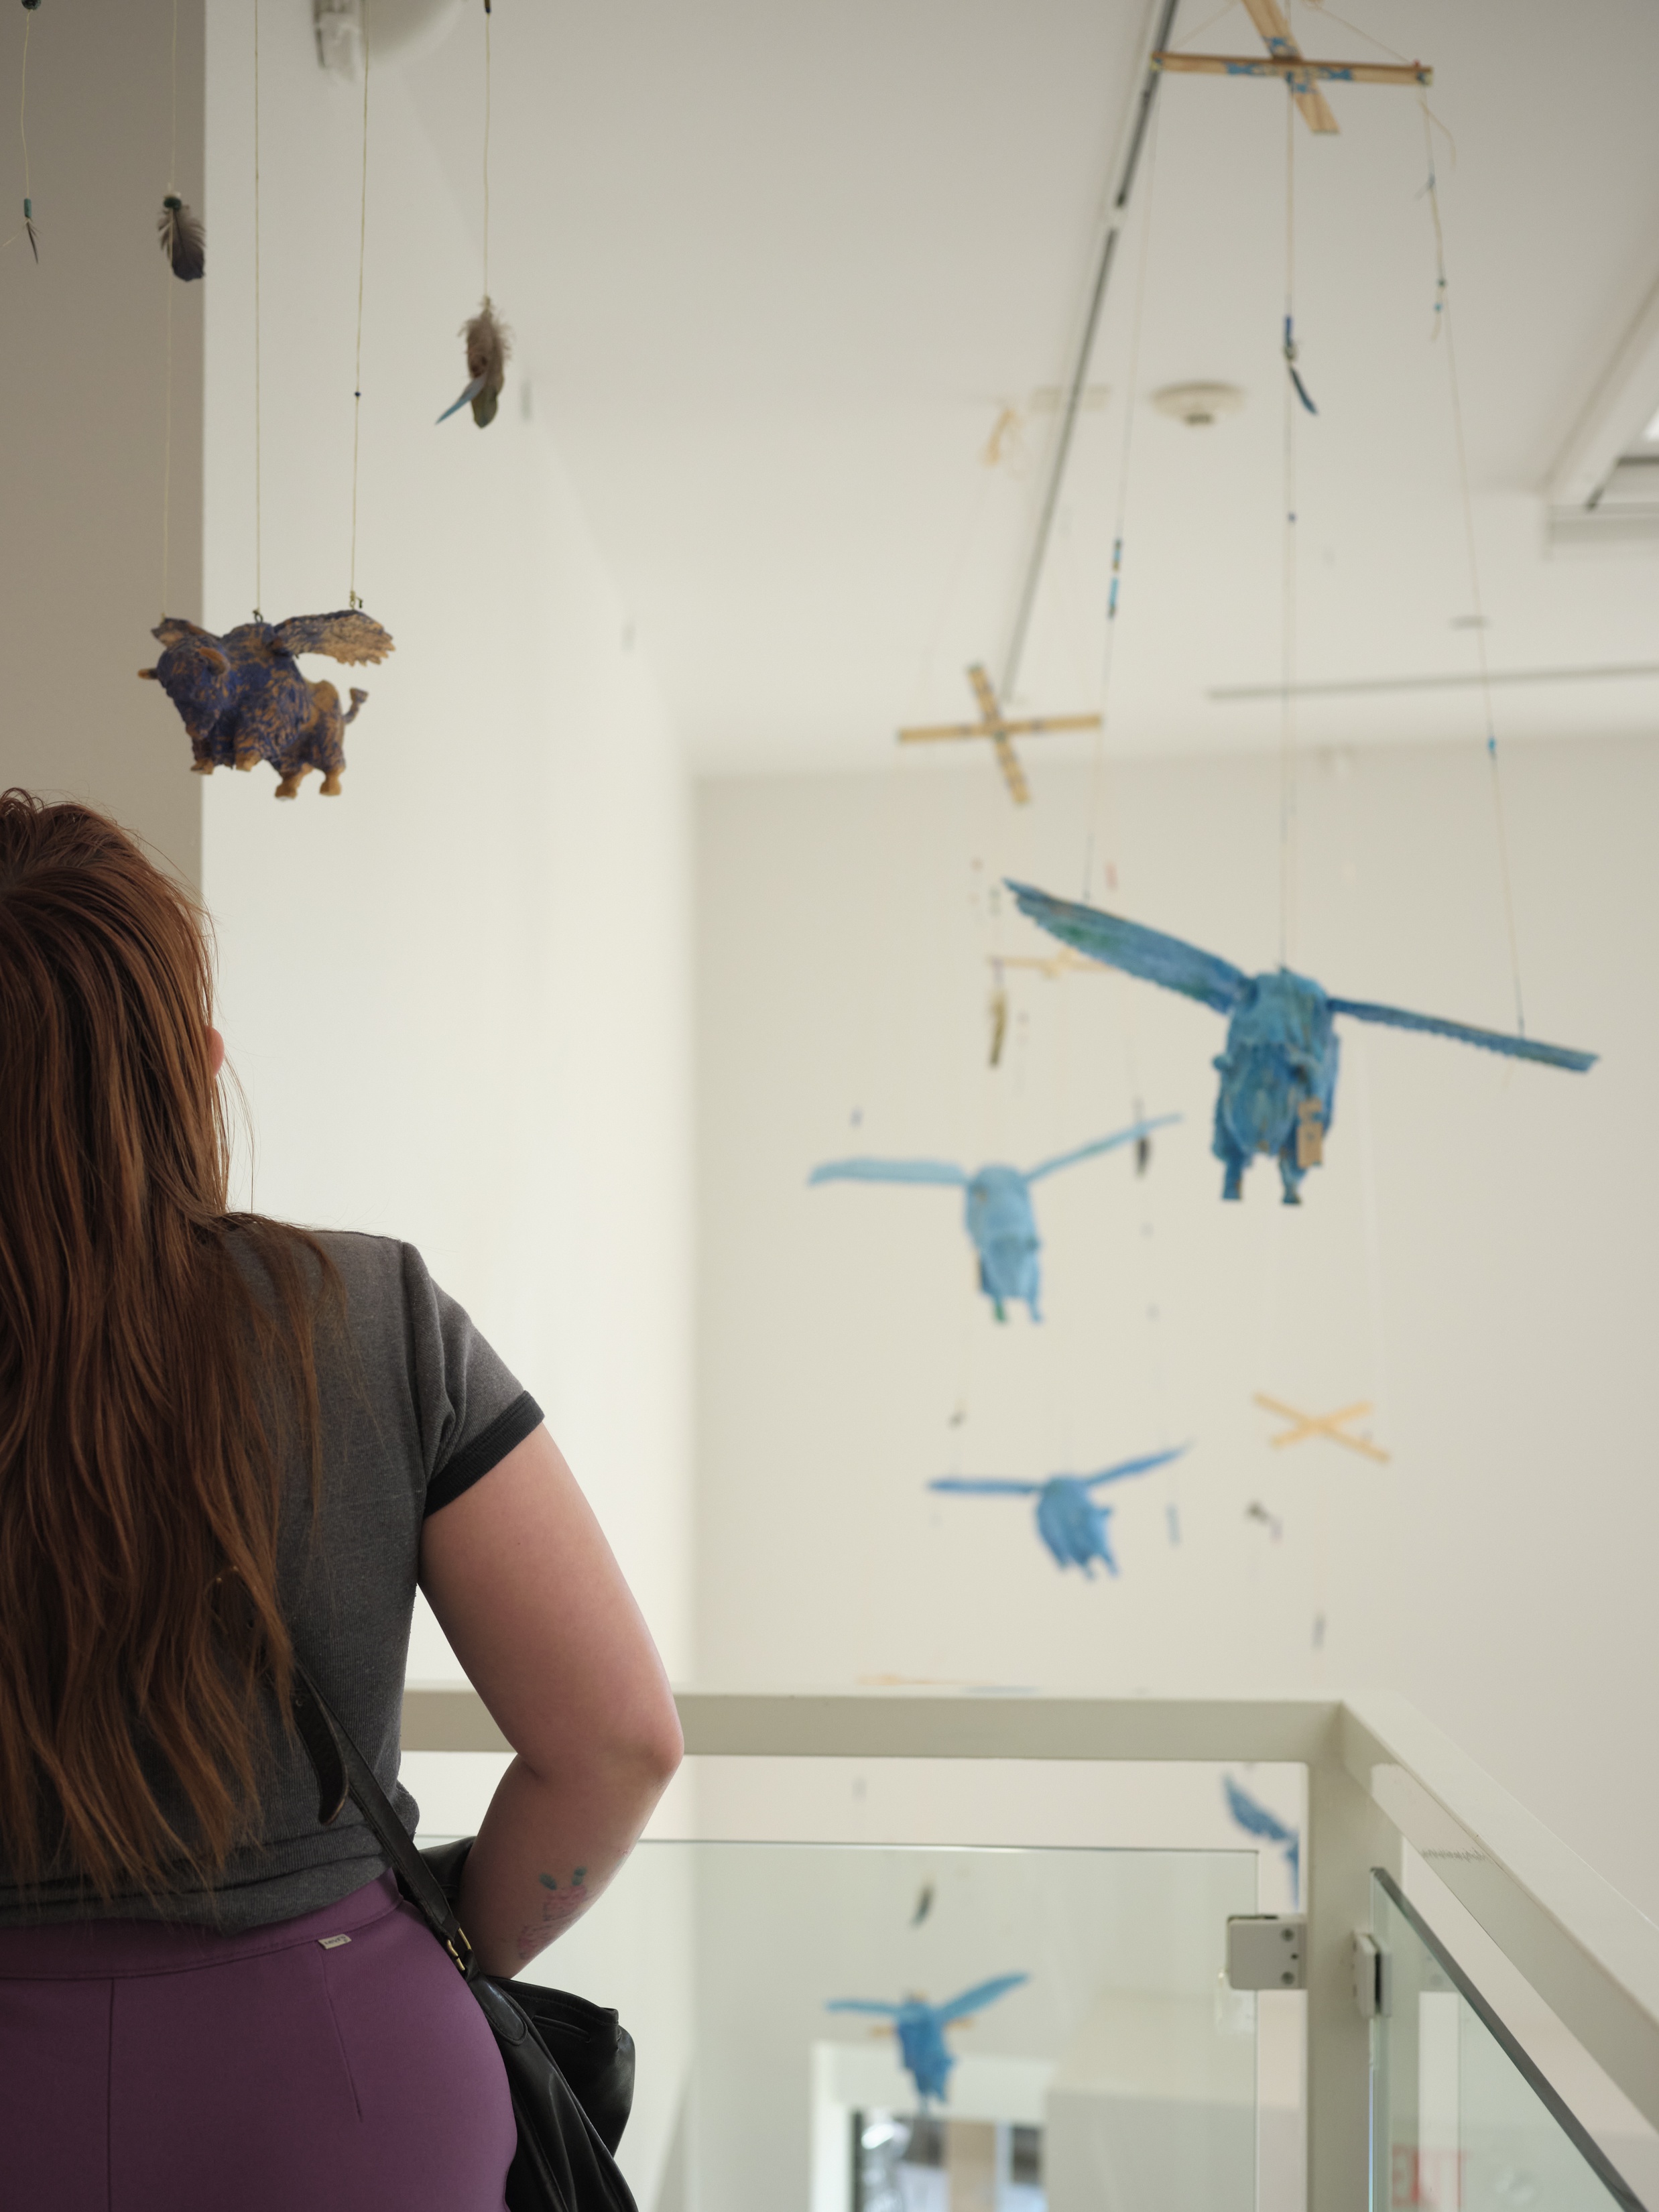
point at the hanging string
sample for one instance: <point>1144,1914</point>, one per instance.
<point>173,153</point>
<point>258,458</point>
<point>1180,44</point>
<point>168,280</point>
<point>352,598</point>
<point>1443,323</point>
<point>1294,395</point>
<point>990,460</point>
<point>23,133</point>
<point>1097,769</point>
<point>489,87</point>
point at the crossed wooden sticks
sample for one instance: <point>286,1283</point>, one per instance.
<point>993,723</point>
<point>1305,1426</point>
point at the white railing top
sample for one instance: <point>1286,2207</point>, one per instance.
<point>1587,1950</point>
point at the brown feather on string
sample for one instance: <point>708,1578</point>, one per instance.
<point>184,239</point>
<point>488,345</point>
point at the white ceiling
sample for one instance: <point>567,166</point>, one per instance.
<point>776,269</point>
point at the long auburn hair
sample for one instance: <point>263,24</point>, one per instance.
<point>151,1387</point>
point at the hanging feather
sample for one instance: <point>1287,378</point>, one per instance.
<point>999,1024</point>
<point>28,206</point>
<point>1296,374</point>
<point>489,344</point>
<point>184,241</point>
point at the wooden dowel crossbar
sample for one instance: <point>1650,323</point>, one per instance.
<point>1001,730</point>
<point>1037,725</point>
<point>1296,66</point>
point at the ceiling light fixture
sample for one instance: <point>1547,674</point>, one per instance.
<point>1597,497</point>
<point>1198,405</point>
<point>402,31</point>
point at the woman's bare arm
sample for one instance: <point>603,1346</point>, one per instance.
<point>536,1609</point>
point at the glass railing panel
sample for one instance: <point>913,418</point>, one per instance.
<point>872,2028</point>
<point>1462,2120</point>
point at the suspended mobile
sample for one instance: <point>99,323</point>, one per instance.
<point>1278,1067</point>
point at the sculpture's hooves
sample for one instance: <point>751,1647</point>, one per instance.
<point>244,765</point>
<point>148,676</point>
<point>288,791</point>
<point>330,787</point>
<point>201,768</point>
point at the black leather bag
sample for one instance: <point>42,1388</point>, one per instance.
<point>569,2063</point>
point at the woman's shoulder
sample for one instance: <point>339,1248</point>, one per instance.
<point>377,1277</point>
<point>359,1257</point>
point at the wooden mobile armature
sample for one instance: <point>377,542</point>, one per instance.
<point>1284,58</point>
<point>993,723</point>
<point>1333,1426</point>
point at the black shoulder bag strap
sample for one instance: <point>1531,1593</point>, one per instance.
<point>564,2161</point>
<point>343,1771</point>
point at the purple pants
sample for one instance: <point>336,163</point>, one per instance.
<point>146,2068</point>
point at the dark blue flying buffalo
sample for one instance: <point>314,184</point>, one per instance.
<point>1068,1519</point>
<point>920,2028</point>
<point>997,1210</point>
<point>243,697</point>
<point>1279,1069</point>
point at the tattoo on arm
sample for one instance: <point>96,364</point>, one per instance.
<point>562,1902</point>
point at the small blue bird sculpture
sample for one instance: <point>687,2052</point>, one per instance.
<point>920,2028</point>
<point>998,1211</point>
<point>1279,1069</point>
<point>1067,1519</point>
<point>1256,1820</point>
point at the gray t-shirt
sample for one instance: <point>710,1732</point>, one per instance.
<point>416,1408</point>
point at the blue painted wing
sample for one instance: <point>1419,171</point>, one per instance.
<point>1147,953</point>
<point>1517,1048</point>
<point>888,1171</point>
<point>982,1993</point>
<point>1101,1145</point>
<point>984,1485</point>
<point>1126,1467</point>
<point>862,2004</point>
<point>1254,1818</point>
<point>471,393</point>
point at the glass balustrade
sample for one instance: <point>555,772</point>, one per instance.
<point>869,2028</point>
<point>967,2001</point>
<point>1462,2121</point>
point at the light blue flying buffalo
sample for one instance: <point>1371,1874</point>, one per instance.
<point>1255,1820</point>
<point>1067,1519</point>
<point>1279,1069</point>
<point>920,2028</point>
<point>998,1211</point>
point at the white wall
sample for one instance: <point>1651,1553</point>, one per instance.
<point>458,994</point>
<point>84,363</point>
<point>1475,1258</point>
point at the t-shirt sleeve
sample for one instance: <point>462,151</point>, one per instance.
<point>471,1409</point>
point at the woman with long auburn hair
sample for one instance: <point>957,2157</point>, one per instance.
<point>227,1443</point>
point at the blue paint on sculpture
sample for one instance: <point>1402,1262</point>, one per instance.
<point>1279,1069</point>
<point>1068,1519</point>
<point>243,699</point>
<point>998,1209</point>
<point>920,2027</point>
<point>1256,1820</point>
<point>1281,1061</point>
